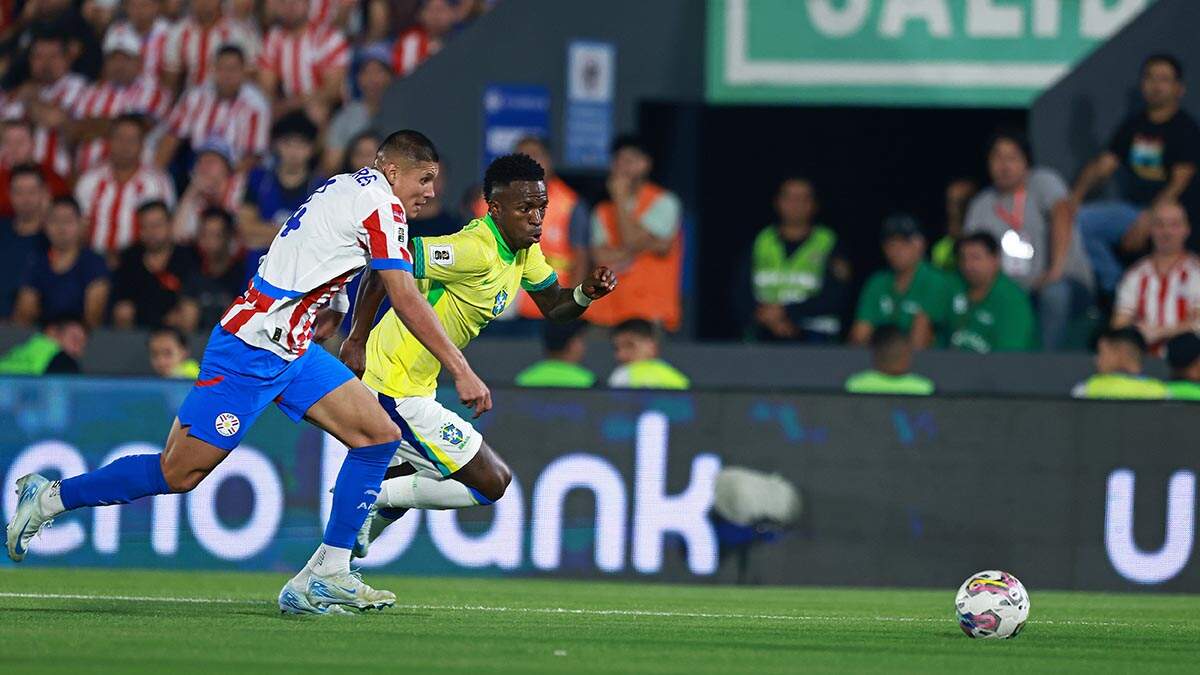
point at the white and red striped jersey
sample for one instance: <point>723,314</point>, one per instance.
<point>302,61</point>
<point>327,11</point>
<point>411,49</point>
<point>154,43</point>
<point>192,48</point>
<point>243,122</point>
<point>49,147</point>
<point>1160,300</point>
<point>351,221</point>
<point>51,151</point>
<point>191,207</point>
<point>106,100</point>
<point>110,206</point>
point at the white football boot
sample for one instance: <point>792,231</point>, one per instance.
<point>347,588</point>
<point>293,598</point>
<point>28,518</point>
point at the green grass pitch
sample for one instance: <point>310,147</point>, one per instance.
<point>72,621</point>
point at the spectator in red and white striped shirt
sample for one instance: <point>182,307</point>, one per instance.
<point>124,90</point>
<point>1160,295</point>
<point>213,184</point>
<point>374,77</point>
<point>435,20</point>
<point>17,147</point>
<point>228,108</point>
<point>111,193</point>
<point>47,98</point>
<point>196,40</point>
<point>303,63</point>
<point>145,22</point>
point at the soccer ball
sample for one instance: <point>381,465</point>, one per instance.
<point>992,604</point>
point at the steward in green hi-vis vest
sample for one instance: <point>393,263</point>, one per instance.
<point>875,382</point>
<point>1182,390</point>
<point>556,373</point>
<point>32,357</point>
<point>1120,386</point>
<point>649,374</point>
<point>782,279</point>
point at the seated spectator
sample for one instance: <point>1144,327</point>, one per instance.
<point>111,193</point>
<point>636,232</point>
<point>228,108</point>
<point>220,273</point>
<point>1183,355</point>
<point>197,41</point>
<point>1160,295</point>
<point>1119,353</point>
<point>435,20</point>
<point>47,99</point>
<point>798,274</point>
<point>21,235</point>
<point>169,355</point>
<point>959,193</point>
<point>274,193</point>
<point>56,350</point>
<point>360,151</point>
<point>148,281</point>
<point>146,22</point>
<point>1027,211</point>
<point>213,185</point>
<point>1160,148</point>
<point>635,346</point>
<point>373,78</point>
<point>891,356</point>
<point>988,311</point>
<point>17,144</point>
<point>911,294</point>
<point>302,67</point>
<point>67,279</point>
<point>564,349</point>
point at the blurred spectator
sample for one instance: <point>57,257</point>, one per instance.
<point>360,151</point>
<point>891,356</point>
<point>112,192</point>
<point>124,90</point>
<point>196,42</point>
<point>332,12</point>
<point>798,273</point>
<point>911,294</point>
<point>958,195</point>
<point>213,184</point>
<point>635,346</point>
<point>52,17</point>
<point>169,354</point>
<point>56,350</point>
<point>1183,355</point>
<point>303,63</point>
<point>148,281</point>
<point>1119,353</point>
<point>373,78</point>
<point>565,227</point>
<point>17,141</point>
<point>68,278</point>
<point>1160,295</point>
<point>274,193</point>
<point>435,20</point>
<point>1160,147</point>
<point>145,22</point>
<point>47,98</point>
<point>988,311</point>
<point>228,109</point>
<point>21,236</point>
<point>1027,211</point>
<point>220,273</point>
<point>438,217</point>
<point>637,233</point>
<point>561,367</point>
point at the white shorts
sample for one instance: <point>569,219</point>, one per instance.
<point>434,440</point>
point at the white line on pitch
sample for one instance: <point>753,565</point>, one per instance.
<point>544,610</point>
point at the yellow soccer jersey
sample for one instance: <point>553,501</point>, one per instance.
<point>469,277</point>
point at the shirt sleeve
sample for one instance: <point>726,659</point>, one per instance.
<point>1183,146</point>
<point>868,302</point>
<point>1047,189</point>
<point>1014,333</point>
<point>662,218</point>
<point>385,233</point>
<point>1127,295</point>
<point>341,301</point>
<point>975,220</point>
<point>446,259</point>
<point>1121,139</point>
<point>537,275</point>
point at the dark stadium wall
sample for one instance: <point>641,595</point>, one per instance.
<point>1073,120</point>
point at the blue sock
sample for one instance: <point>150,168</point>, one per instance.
<point>120,482</point>
<point>355,490</point>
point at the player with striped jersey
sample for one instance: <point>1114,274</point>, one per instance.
<point>262,352</point>
<point>302,62</point>
<point>1160,294</point>
<point>196,40</point>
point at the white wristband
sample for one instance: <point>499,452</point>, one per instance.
<point>581,298</point>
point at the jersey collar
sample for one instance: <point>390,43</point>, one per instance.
<point>501,247</point>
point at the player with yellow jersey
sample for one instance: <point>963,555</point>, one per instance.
<point>469,277</point>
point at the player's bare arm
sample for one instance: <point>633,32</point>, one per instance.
<point>567,304</point>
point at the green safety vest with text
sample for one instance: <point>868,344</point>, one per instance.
<point>555,373</point>
<point>31,357</point>
<point>783,279</point>
<point>875,382</point>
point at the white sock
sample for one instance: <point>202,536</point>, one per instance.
<point>50,500</point>
<point>421,492</point>
<point>329,560</point>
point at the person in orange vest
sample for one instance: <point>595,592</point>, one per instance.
<point>637,233</point>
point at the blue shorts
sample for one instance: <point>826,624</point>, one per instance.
<point>237,382</point>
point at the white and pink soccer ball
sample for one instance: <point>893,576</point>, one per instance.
<point>992,604</point>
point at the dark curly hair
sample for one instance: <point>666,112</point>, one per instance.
<point>510,169</point>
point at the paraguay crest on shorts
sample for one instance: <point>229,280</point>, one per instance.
<point>227,424</point>
<point>452,435</point>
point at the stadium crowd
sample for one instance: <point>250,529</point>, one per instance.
<point>150,150</point>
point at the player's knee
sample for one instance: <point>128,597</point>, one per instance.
<point>388,433</point>
<point>182,479</point>
<point>496,482</point>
